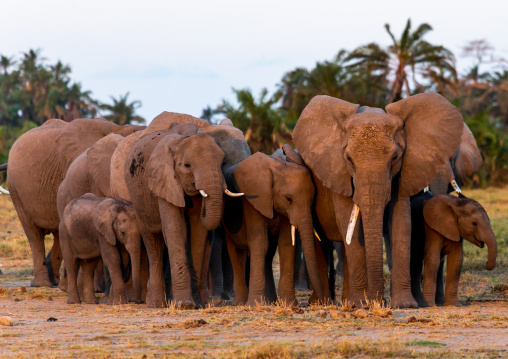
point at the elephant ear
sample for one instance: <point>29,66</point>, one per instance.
<point>166,119</point>
<point>439,215</point>
<point>226,122</point>
<point>319,136</point>
<point>433,128</point>
<point>469,159</point>
<point>161,173</point>
<point>98,162</point>
<point>103,221</point>
<point>254,178</point>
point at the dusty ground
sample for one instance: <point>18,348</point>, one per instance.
<point>477,329</point>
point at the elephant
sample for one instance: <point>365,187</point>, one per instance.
<point>90,173</point>
<point>174,177</point>
<point>278,200</point>
<point>365,161</point>
<point>93,227</point>
<point>235,148</point>
<point>38,162</point>
<point>439,225</point>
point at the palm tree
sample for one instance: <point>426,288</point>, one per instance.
<point>121,112</point>
<point>259,119</point>
<point>410,57</point>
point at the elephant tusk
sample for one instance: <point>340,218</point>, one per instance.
<point>203,193</point>
<point>315,233</point>
<point>455,186</point>
<point>4,191</point>
<point>293,230</point>
<point>426,189</point>
<point>352,223</point>
<point>233,194</point>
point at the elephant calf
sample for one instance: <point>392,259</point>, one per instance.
<point>92,227</point>
<point>439,223</point>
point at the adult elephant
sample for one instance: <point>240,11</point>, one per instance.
<point>174,177</point>
<point>38,162</point>
<point>365,159</point>
<point>230,139</point>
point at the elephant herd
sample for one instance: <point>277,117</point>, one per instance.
<point>148,201</point>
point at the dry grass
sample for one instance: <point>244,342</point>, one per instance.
<point>478,330</point>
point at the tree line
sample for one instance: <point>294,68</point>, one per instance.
<point>33,91</point>
<point>375,76</point>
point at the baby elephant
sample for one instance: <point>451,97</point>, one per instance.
<point>92,227</point>
<point>439,223</point>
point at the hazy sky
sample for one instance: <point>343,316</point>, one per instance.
<point>183,55</point>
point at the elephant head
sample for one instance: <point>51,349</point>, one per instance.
<point>115,219</point>
<point>188,162</point>
<point>358,152</point>
<point>270,183</point>
<point>456,218</point>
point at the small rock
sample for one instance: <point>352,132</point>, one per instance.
<point>382,313</point>
<point>194,323</point>
<point>335,314</point>
<point>51,319</point>
<point>414,319</point>
<point>22,289</point>
<point>50,299</point>
<point>347,315</point>
<point>7,321</point>
<point>322,314</point>
<point>225,322</point>
<point>284,312</point>
<point>297,310</point>
<point>2,290</point>
<point>361,313</point>
<point>376,318</point>
<point>17,299</point>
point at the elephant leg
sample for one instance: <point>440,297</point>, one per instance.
<point>270,291</point>
<point>453,267</point>
<point>440,292</point>
<point>71,267</point>
<point>174,227</point>
<point>339,248</point>
<point>238,258</point>
<point>87,270</point>
<point>156,294</point>
<point>200,246</point>
<point>323,275</point>
<point>355,251</point>
<point>257,239</point>
<point>287,271</point>
<point>144,273</point>
<point>98,276</point>
<point>416,270</point>
<point>113,262</point>
<point>54,260</point>
<point>401,252</point>
<point>301,281</point>
<point>432,261</point>
<point>35,237</point>
<point>215,274</point>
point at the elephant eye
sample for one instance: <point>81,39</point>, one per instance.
<point>350,160</point>
<point>187,165</point>
<point>122,233</point>
<point>475,224</point>
<point>394,157</point>
<point>289,199</point>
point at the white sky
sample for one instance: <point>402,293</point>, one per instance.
<point>183,55</point>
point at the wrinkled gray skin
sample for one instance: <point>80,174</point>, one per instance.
<point>38,162</point>
<point>230,139</point>
<point>375,160</point>
<point>93,227</point>
<point>440,223</point>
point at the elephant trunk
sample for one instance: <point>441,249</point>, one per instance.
<point>372,206</point>
<point>492,247</point>
<point>211,209</point>
<point>307,236</point>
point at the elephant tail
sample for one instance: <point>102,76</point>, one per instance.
<point>3,167</point>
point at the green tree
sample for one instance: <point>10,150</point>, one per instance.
<point>122,112</point>
<point>409,59</point>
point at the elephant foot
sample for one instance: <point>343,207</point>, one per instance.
<point>41,281</point>
<point>185,305</point>
<point>404,301</point>
<point>255,300</point>
<point>63,284</point>
<point>116,300</point>
<point>225,295</point>
<point>73,299</point>
<point>91,301</point>
<point>453,302</point>
<point>240,301</point>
